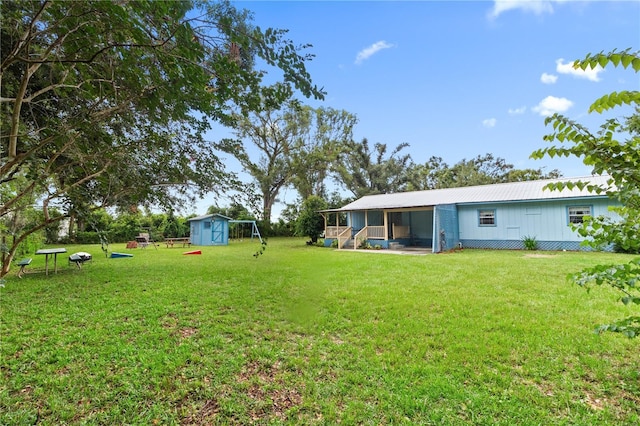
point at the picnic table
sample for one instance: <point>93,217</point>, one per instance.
<point>49,252</point>
<point>185,241</point>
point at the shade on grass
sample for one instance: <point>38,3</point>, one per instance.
<point>309,335</point>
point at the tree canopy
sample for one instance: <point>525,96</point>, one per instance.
<point>613,150</point>
<point>296,145</point>
<point>365,171</point>
<point>107,103</point>
<point>486,169</point>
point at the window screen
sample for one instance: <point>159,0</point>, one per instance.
<point>577,213</point>
<point>486,217</point>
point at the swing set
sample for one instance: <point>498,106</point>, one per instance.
<point>238,232</point>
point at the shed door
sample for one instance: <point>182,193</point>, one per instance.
<point>217,232</point>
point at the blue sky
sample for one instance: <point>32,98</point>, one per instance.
<point>459,79</point>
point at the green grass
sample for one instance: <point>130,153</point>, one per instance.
<point>309,335</point>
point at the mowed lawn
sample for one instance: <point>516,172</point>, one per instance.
<point>309,335</point>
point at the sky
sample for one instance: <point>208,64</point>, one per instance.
<point>458,79</point>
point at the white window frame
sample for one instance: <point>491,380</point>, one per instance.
<point>484,215</point>
<point>576,214</point>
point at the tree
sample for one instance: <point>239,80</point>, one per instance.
<point>107,103</point>
<point>311,223</point>
<point>273,133</point>
<point>363,171</point>
<point>296,145</point>
<point>608,154</point>
<point>234,211</point>
<point>325,134</point>
<point>481,170</point>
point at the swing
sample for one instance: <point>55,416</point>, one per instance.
<point>255,232</point>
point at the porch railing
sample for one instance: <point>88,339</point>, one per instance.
<point>334,231</point>
<point>360,237</point>
<point>343,237</point>
<point>375,232</point>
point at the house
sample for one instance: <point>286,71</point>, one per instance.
<point>209,230</point>
<point>497,216</point>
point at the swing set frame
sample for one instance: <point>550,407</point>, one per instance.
<point>255,232</point>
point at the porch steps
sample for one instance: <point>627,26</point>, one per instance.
<point>395,246</point>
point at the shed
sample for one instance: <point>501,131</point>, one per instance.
<point>209,230</point>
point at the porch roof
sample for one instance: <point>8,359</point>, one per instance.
<point>503,192</point>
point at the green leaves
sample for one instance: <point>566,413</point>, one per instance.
<point>615,99</point>
<point>624,58</point>
<point>621,161</point>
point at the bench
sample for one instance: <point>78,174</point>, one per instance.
<point>23,265</point>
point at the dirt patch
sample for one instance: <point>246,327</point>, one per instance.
<point>205,415</point>
<point>270,391</point>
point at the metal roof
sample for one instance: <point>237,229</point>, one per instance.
<point>501,192</point>
<point>207,216</point>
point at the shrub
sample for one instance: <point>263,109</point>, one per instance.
<point>530,243</point>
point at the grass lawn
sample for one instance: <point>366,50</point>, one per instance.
<point>309,335</point>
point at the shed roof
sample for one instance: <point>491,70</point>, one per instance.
<point>502,192</point>
<point>207,216</point>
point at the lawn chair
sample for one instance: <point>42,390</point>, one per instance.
<point>143,240</point>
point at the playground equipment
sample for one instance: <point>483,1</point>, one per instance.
<point>193,252</point>
<point>115,255</point>
<point>238,231</point>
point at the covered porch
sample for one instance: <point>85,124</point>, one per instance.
<point>385,229</point>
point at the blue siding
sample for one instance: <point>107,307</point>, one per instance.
<point>202,231</point>
<point>546,221</point>
<point>446,235</point>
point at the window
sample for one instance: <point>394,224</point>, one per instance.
<point>207,224</point>
<point>487,217</point>
<point>577,213</point>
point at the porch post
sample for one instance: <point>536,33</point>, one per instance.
<point>386,225</point>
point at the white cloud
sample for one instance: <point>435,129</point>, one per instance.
<point>489,122</point>
<point>548,78</point>
<point>550,105</point>
<point>367,52</point>
<point>537,7</point>
<point>517,111</point>
<point>589,73</point>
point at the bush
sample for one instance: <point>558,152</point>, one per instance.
<point>530,243</point>
<point>87,238</point>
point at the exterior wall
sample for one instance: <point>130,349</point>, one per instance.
<point>547,222</point>
<point>196,233</point>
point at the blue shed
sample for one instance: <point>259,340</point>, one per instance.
<point>209,230</point>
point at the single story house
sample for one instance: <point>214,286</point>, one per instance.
<point>498,216</point>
